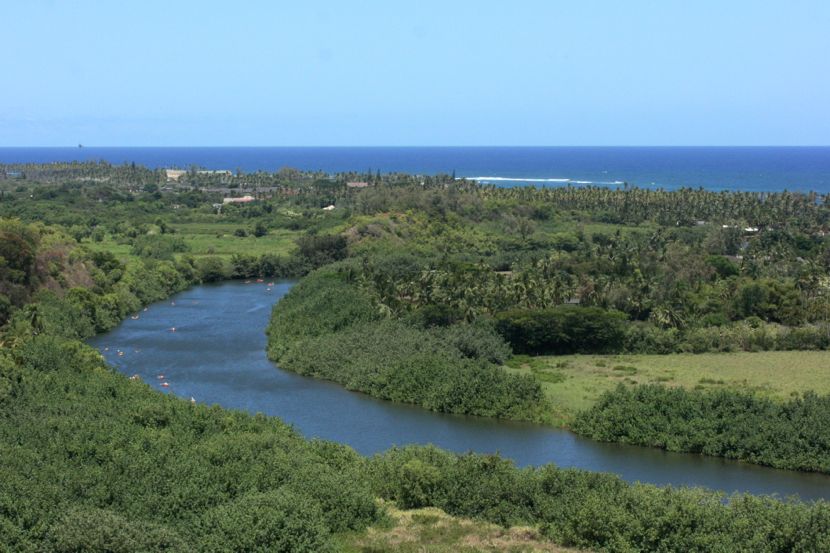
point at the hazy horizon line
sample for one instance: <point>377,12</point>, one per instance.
<point>82,146</point>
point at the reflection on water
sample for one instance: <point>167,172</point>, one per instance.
<point>217,355</point>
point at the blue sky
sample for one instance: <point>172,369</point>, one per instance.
<point>309,72</point>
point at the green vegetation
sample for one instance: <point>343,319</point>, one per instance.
<point>101,463</point>
<point>573,383</point>
<point>431,530</point>
<point>562,329</point>
<point>329,328</point>
<point>97,462</point>
<point>417,290</point>
<point>724,423</point>
<point>582,509</point>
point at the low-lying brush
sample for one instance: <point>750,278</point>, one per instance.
<point>725,423</point>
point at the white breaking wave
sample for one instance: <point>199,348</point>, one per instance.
<point>559,180</point>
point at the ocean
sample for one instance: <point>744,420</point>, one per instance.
<point>716,168</point>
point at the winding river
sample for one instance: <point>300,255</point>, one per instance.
<point>216,354</point>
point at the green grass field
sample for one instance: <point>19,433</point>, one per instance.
<point>216,239</point>
<point>574,382</point>
<point>122,251</point>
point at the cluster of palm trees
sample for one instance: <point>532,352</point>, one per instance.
<point>96,171</point>
<point>683,207</point>
<point>649,276</point>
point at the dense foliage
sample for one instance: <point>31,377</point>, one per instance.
<point>95,462</point>
<point>103,464</point>
<point>76,292</point>
<point>562,330</point>
<point>695,270</point>
<point>330,328</point>
<point>591,510</point>
<point>792,435</point>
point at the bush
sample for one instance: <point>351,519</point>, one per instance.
<point>562,330</point>
<point>749,335</point>
<point>330,328</point>
<point>476,341</point>
<point>272,522</point>
<point>723,266</point>
<point>322,303</point>
<point>322,250</point>
<point>91,530</point>
<point>156,246</point>
<point>211,269</point>
<point>167,472</point>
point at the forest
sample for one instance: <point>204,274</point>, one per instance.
<point>460,278</point>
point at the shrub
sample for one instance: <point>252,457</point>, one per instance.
<point>322,250</point>
<point>595,510</point>
<point>391,360</point>
<point>321,303</point>
<point>279,521</point>
<point>211,269</point>
<point>793,435</point>
<point>476,341</point>
<point>562,330</point>
<point>155,246</point>
<point>91,530</point>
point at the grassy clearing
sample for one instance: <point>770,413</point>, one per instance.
<point>216,239</point>
<point>431,530</point>
<point>122,251</point>
<point>574,382</point>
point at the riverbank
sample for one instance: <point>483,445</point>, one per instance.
<point>217,355</point>
<point>336,325</point>
<point>156,473</point>
<point>330,328</point>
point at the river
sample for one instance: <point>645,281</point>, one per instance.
<point>216,355</point>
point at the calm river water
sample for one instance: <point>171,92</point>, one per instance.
<point>217,355</point>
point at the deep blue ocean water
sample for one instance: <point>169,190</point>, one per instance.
<point>716,168</point>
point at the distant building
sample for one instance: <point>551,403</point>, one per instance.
<point>223,172</point>
<point>174,174</point>
<point>242,200</point>
<point>328,208</point>
<point>360,184</point>
<point>13,174</point>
